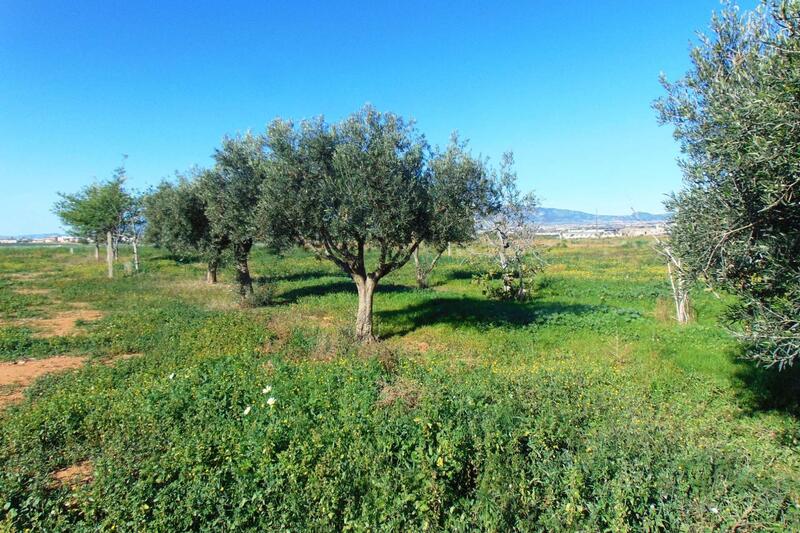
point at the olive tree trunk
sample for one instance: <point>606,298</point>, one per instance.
<point>135,254</point>
<point>423,270</point>
<point>211,272</point>
<point>96,250</point>
<point>110,254</point>
<point>366,290</point>
<point>240,254</point>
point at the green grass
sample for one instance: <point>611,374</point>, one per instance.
<point>584,409</point>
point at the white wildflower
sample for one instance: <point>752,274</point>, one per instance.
<point>267,389</point>
<point>172,376</point>
<point>271,401</point>
<point>714,510</point>
<point>247,410</point>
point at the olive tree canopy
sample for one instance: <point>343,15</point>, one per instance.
<point>736,222</point>
<point>177,221</point>
<point>345,189</point>
<point>461,192</point>
<point>230,192</point>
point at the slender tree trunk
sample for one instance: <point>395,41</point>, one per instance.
<point>116,248</point>
<point>366,290</point>
<point>211,272</point>
<point>96,250</point>
<point>422,270</point>
<point>502,250</point>
<point>110,254</point>
<point>680,294</point>
<point>135,254</point>
<point>240,253</point>
<point>422,276</point>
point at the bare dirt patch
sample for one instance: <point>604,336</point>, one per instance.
<point>403,390</point>
<point>121,357</point>
<point>15,376</point>
<point>63,323</point>
<point>73,475</point>
<point>10,394</point>
<point>31,290</point>
<point>26,276</point>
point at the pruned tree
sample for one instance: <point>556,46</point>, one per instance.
<point>134,224</point>
<point>461,193</point>
<point>177,222</point>
<point>508,233</point>
<point>345,189</point>
<point>230,192</point>
<point>97,211</point>
<point>680,281</point>
<point>736,222</point>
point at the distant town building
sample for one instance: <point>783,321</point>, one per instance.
<point>639,229</point>
<point>47,239</point>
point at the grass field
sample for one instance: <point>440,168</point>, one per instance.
<point>586,409</point>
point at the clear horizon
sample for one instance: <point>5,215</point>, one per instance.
<point>567,87</point>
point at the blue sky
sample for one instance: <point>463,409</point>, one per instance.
<point>566,85</point>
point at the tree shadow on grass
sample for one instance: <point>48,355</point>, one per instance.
<point>768,389</point>
<point>333,287</point>
<point>164,255</point>
<point>305,275</point>
<point>457,274</point>
<point>474,313</point>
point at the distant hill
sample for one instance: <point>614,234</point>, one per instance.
<point>548,216</point>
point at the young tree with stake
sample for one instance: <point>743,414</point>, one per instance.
<point>97,210</point>
<point>133,225</point>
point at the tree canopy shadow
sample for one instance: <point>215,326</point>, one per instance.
<point>301,276</point>
<point>458,274</point>
<point>332,287</point>
<point>181,259</point>
<point>768,389</point>
<point>474,312</point>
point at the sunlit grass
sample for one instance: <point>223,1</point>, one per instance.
<point>584,408</point>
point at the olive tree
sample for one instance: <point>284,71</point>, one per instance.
<point>177,221</point>
<point>342,190</point>
<point>461,192</point>
<point>230,192</point>
<point>75,213</point>
<point>736,222</point>
<point>97,211</point>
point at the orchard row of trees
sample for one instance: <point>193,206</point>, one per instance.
<point>363,193</point>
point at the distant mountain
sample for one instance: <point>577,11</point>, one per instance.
<point>548,216</point>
